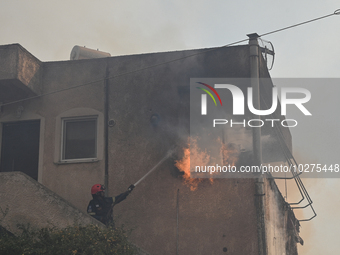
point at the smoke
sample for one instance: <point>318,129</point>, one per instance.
<point>111,26</point>
<point>324,194</point>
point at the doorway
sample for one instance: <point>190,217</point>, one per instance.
<point>20,147</point>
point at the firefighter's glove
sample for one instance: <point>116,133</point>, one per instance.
<point>131,187</point>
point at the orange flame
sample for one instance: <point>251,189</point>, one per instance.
<point>229,154</point>
<point>184,164</point>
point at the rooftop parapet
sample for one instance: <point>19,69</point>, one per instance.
<point>20,73</point>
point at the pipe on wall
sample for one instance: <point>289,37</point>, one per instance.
<point>257,144</point>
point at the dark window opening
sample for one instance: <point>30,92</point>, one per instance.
<point>20,147</point>
<point>79,138</point>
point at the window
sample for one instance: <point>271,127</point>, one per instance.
<point>79,138</point>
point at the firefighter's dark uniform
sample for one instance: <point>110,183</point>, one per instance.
<point>101,207</point>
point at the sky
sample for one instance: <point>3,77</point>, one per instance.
<point>50,29</point>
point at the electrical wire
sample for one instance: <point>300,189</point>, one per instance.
<point>336,12</point>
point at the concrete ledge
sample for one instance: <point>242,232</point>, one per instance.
<point>20,73</point>
<point>24,200</point>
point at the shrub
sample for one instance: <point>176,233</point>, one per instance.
<point>81,240</point>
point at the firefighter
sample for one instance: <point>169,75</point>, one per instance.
<point>100,207</point>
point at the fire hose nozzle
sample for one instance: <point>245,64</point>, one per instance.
<point>131,187</point>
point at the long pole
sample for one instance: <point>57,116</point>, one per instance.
<point>257,145</point>
<point>255,84</point>
<point>106,128</point>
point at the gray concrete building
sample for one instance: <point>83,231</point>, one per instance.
<point>71,124</point>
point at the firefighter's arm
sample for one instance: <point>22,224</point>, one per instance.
<point>123,196</point>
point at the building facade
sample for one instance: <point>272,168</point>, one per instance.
<point>71,124</point>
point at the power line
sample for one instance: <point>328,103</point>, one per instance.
<point>336,12</point>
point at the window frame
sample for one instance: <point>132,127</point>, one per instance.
<point>79,112</point>
<point>64,121</point>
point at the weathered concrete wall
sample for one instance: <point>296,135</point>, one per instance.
<point>23,201</point>
<point>215,216</point>
<point>72,181</point>
<point>282,233</point>
<point>20,74</point>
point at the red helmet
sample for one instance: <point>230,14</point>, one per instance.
<point>97,188</point>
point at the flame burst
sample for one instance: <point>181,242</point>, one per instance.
<point>184,164</point>
<point>229,154</point>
